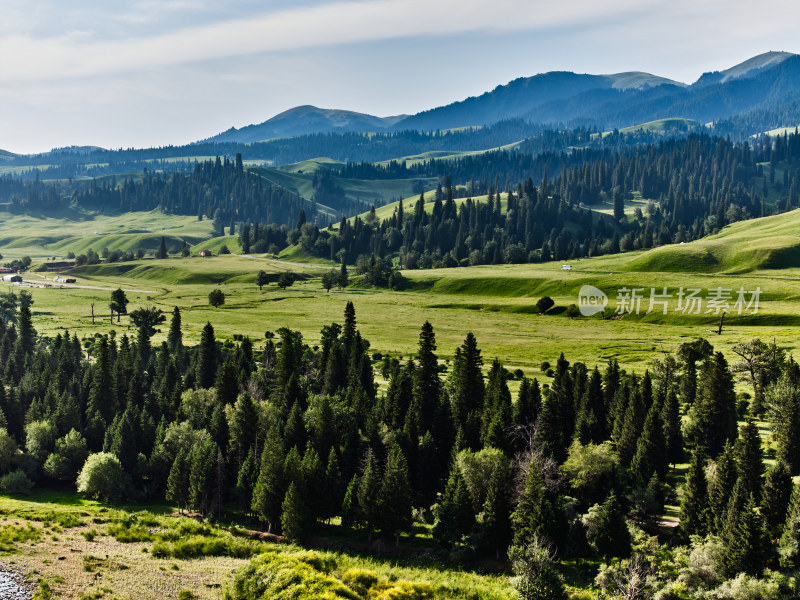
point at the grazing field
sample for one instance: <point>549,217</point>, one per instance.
<point>45,236</point>
<point>496,302</point>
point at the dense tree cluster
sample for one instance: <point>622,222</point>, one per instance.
<point>296,435</point>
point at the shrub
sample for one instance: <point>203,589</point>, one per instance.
<point>8,450</point>
<point>126,533</point>
<point>102,477</point>
<point>283,576</point>
<point>13,534</point>
<point>544,304</point>
<point>216,298</point>
<point>359,580</point>
<point>89,535</point>
<point>68,457</point>
<point>199,546</point>
<point>16,482</point>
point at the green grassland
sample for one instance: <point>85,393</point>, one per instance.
<point>300,179</point>
<point>42,236</point>
<point>496,302</point>
<point>659,126</point>
<point>448,154</point>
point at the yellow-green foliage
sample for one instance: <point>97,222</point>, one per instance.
<point>11,535</point>
<point>198,545</point>
<point>368,585</point>
<point>286,576</point>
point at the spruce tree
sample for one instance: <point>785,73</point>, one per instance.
<point>775,499</point>
<point>789,548</point>
<point>749,459</point>
<point>496,418</point>
<point>369,486</point>
<point>178,481</point>
<point>673,436</point>
<point>651,451</point>
<point>350,513</point>
<point>246,481</point>
<point>535,513</point>
<point>494,519</point>
<point>529,404</point>
<point>747,547</point>
<point>294,515</point>
<point>454,515</point>
<point>206,370</point>
<point>201,475</point>
<point>714,412</point>
<point>548,436</point>
<point>270,486</point>
<point>227,383</point>
<point>607,530</point>
<point>468,390</point>
<point>295,434</point>
<point>313,476</point>
<point>394,498</point>
<point>635,416</point>
<point>426,383</point>
<point>720,492</point>
<point>333,496</point>
<point>694,503</point>
<point>242,428</point>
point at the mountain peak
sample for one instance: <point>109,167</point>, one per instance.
<point>639,80</point>
<point>307,119</point>
<point>748,68</point>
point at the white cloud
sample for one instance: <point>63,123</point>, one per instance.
<point>292,29</point>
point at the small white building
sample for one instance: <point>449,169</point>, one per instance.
<point>566,267</point>
<point>13,278</point>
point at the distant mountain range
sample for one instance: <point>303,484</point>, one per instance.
<point>303,120</point>
<point>564,98</point>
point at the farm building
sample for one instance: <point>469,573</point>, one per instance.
<point>566,267</point>
<point>60,279</point>
<point>13,278</point>
<point>206,253</point>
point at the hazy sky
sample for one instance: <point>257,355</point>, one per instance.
<point>118,73</point>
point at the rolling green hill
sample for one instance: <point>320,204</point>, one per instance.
<point>377,192</point>
<point>767,243</point>
<point>661,126</point>
<point>78,231</point>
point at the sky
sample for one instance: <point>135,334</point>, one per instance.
<point>141,73</point>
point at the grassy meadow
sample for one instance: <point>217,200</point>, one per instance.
<point>496,302</point>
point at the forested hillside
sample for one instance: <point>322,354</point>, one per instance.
<point>296,436</point>
<point>689,188</point>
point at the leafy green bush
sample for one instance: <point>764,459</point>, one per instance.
<point>199,546</point>
<point>126,533</point>
<point>10,535</point>
<point>284,576</point>
<point>16,482</point>
<point>102,477</point>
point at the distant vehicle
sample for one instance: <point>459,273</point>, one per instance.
<point>566,267</point>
